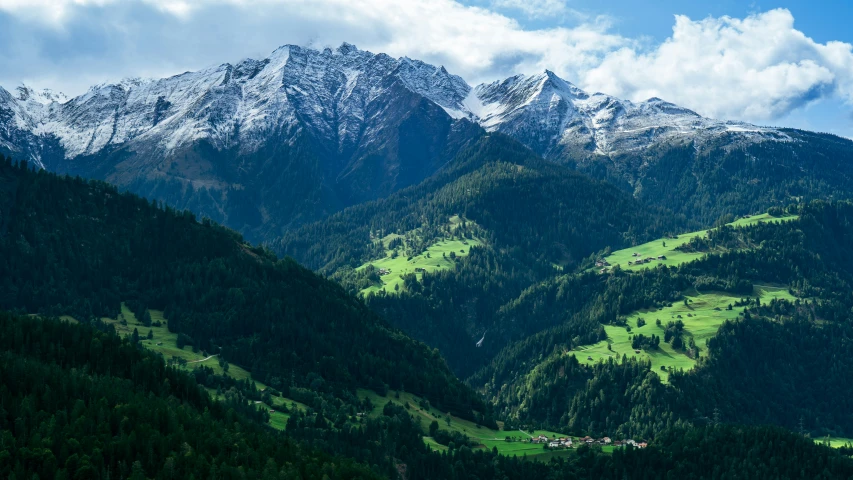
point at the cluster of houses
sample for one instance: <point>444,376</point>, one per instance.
<point>566,442</point>
<point>384,271</point>
<point>640,261</point>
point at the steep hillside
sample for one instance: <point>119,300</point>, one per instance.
<point>529,219</point>
<point>103,407</point>
<point>259,145</point>
<point>81,248</point>
<point>791,285</point>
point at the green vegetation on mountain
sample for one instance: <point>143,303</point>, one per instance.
<point>80,401</point>
<point>677,249</point>
<point>77,403</point>
<point>403,265</point>
<point>532,218</point>
<point>707,182</point>
<point>682,331</point>
<point>80,248</point>
<point>779,352</point>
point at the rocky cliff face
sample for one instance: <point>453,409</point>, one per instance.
<point>260,144</point>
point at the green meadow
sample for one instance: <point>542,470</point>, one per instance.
<point>517,445</point>
<point>435,258</point>
<point>702,317</point>
<point>667,246</point>
<point>834,442</point>
<point>165,343</point>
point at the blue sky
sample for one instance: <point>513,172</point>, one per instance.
<point>786,63</point>
<point>823,20</point>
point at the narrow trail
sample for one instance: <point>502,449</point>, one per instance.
<point>522,431</point>
<point>203,359</point>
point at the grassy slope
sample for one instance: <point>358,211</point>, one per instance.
<point>702,318</point>
<point>438,259</point>
<point>835,442</point>
<point>164,342</point>
<point>675,257</point>
<point>488,438</point>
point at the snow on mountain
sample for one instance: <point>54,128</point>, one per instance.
<point>332,95</point>
<point>326,91</point>
<point>550,115</point>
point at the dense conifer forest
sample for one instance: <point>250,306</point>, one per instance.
<point>78,401</point>
<point>80,248</point>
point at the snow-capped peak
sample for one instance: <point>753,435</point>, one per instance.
<point>332,93</point>
<point>550,115</point>
<point>44,97</point>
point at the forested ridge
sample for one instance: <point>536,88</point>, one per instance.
<point>77,401</point>
<point>780,363</point>
<point>532,215</point>
<point>80,248</point>
<point>704,181</point>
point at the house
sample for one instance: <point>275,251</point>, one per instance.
<point>630,442</point>
<point>419,270</point>
<point>618,443</point>
<point>642,445</point>
<point>554,445</point>
<point>272,411</point>
<point>606,440</point>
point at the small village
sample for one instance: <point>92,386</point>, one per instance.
<point>567,442</point>
<point>604,264</point>
<point>641,261</point>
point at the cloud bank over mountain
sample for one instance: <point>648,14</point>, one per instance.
<point>759,68</point>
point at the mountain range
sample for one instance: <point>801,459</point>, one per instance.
<point>266,145</point>
<point>429,273</point>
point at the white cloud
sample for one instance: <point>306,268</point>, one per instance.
<point>113,38</point>
<point>757,68</point>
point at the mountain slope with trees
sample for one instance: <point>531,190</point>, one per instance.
<point>781,355</point>
<point>80,248</point>
<point>557,218</point>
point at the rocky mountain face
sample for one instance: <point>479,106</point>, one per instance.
<point>554,117</point>
<point>258,145</point>
<point>665,154</point>
<point>263,145</point>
